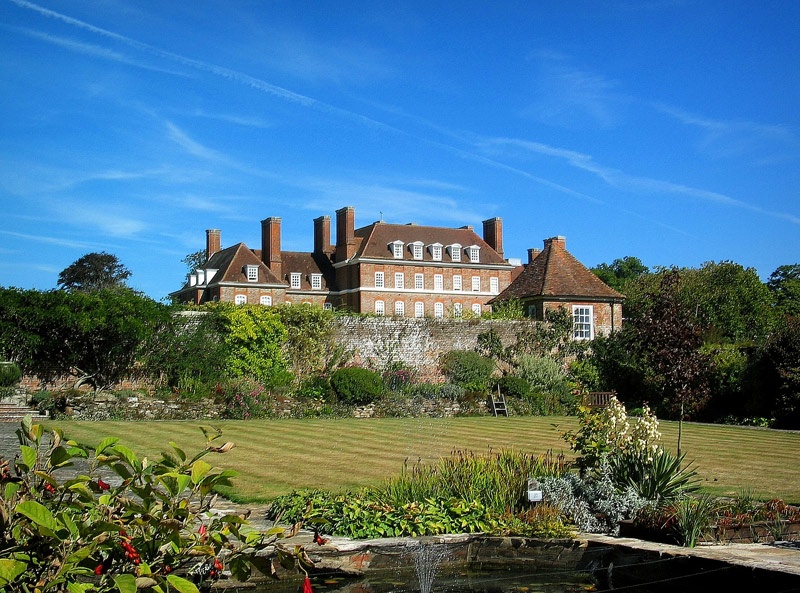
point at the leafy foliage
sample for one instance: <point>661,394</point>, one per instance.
<point>10,374</point>
<point>656,476</point>
<point>547,379</point>
<point>468,369</point>
<point>462,494</point>
<point>254,336</point>
<point>620,271</point>
<point>148,527</point>
<point>355,385</point>
<point>97,336</point>
<point>94,271</point>
<point>784,283</point>
<point>308,347</point>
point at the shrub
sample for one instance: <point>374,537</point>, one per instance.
<point>244,399</point>
<point>692,518</point>
<point>398,376</point>
<point>150,527</point>
<point>354,385</point>
<point>446,391</point>
<point>547,377</point>
<point>468,369</point>
<point>10,374</point>
<point>514,386</point>
<point>657,476</point>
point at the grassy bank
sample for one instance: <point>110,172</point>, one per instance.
<point>275,456</point>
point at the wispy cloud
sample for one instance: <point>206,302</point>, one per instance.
<point>570,96</point>
<point>93,50</point>
<point>239,120</point>
<point>49,240</point>
<point>639,184</point>
<point>725,138</point>
<point>194,148</point>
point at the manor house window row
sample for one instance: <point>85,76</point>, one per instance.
<point>417,250</point>
<point>419,309</point>
<point>456,282</point>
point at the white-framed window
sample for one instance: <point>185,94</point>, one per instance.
<point>474,253</point>
<point>457,282</point>
<point>476,284</point>
<point>455,251</point>
<point>438,282</point>
<point>419,281</point>
<point>456,309</point>
<point>252,273</point>
<point>240,299</point>
<point>582,322</point>
<point>436,251</point>
<point>494,285</point>
<point>316,281</point>
<point>265,299</point>
<point>397,249</point>
<point>399,280</point>
<point>419,309</point>
<point>379,280</point>
<point>327,306</point>
<point>416,249</point>
<point>379,308</point>
<point>438,310</point>
<point>476,309</point>
<point>294,279</point>
<point>399,309</point>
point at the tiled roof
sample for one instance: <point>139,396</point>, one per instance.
<point>307,264</point>
<point>556,273</point>
<point>230,263</point>
<point>373,241</point>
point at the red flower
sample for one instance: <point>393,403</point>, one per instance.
<point>318,539</point>
<point>202,531</point>
<point>102,485</point>
<point>307,586</point>
<point>98,570</point>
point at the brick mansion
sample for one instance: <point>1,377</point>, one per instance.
<point>403,270</point>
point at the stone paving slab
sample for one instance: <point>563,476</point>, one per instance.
<point>779,556</point>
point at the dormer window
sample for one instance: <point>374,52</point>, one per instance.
<point>316,281</point>
<point>397,249</point>
<point>416,249</point>
<point>436,251</point>
<point>455,251</point>
<point>474,253</point>
<point>252,273</point>
<point>294,280</point>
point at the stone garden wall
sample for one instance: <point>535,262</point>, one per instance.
<point>377,342</point>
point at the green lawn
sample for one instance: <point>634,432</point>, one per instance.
<point>275,456</point>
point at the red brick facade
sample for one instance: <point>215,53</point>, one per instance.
<point>431,261</point>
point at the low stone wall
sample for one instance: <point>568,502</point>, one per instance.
<point>418,343</point>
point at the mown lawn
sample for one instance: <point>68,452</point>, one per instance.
<point>275,456</point>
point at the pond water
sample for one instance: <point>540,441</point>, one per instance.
<point>659,575</point>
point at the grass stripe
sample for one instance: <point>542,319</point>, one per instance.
<point>274,456</point>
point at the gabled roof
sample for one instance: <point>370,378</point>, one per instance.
<point>555,273</point>
<point>373,241</point>
<point>307,264</point>
<point>230,263</point>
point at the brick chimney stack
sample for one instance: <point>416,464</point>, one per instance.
<point>532,253</point>
<point>322,235</point>
<point>560,240</point>
<point>493,234</point>
<point>213,242</point>
<point>345,233</point>
<point>271,244</point>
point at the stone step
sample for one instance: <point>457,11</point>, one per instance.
<point>15,412</point>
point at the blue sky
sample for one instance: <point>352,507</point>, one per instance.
<point>665,130</point>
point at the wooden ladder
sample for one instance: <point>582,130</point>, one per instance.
<point>497,404</point>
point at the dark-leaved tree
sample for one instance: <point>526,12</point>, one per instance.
<point>94,271</point>
<point>671,344</point>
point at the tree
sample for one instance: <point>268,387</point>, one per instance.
<point>620,271</point>
<point>94,271</point>
<point>670,340</point>
<point>194,260</point>
<point>784,283</point>
<point>95,336</point>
